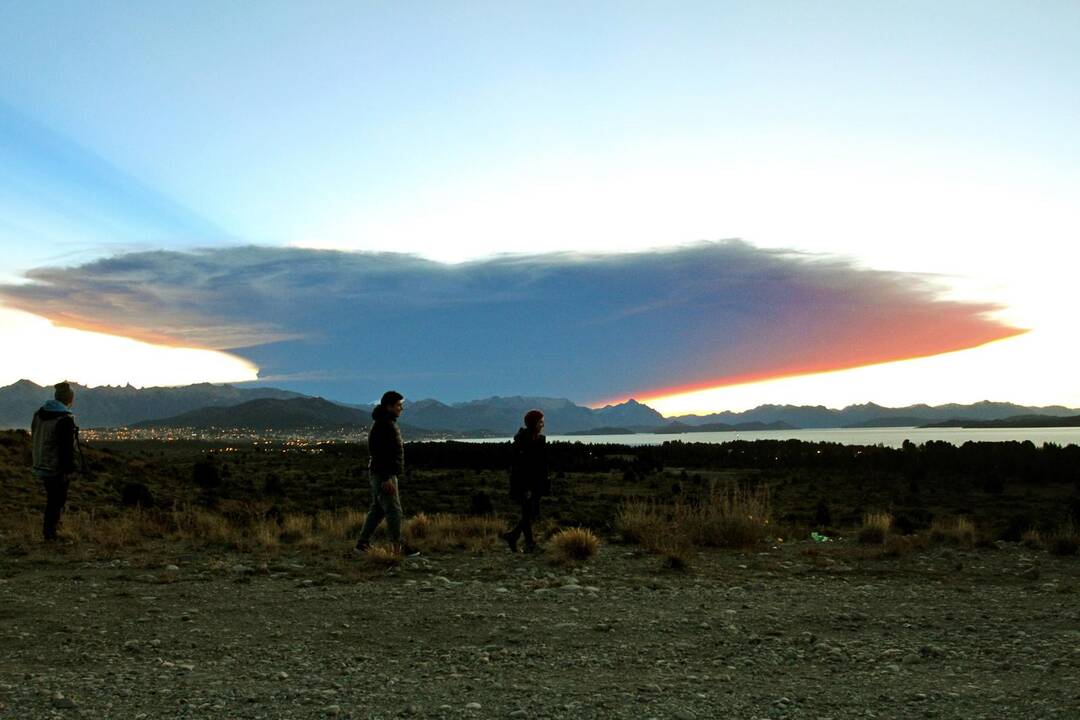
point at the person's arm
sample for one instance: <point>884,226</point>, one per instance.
<point>65,442</point>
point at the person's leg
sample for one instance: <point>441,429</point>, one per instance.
<point>527,517</point>
<point>391,505</point>
<point>532,511</point>
<point>512,536</point>
<point>56,490</point>
<point>375,513</point>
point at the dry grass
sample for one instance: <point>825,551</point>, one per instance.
<point>573,545</point>
<point>644,523</point>
<point>875,528</point>
<point>445,531</point>
<point>1065,541</point>
<point>958,530</point>
<point>733,517</point>
<point>1032,539</point>
<point>382,555</point>
<point>243,529</point>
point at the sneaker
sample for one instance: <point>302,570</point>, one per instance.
<point>511,541</point>
<point>361,548</point>
<point>533,548</point>
<point>408,551</point>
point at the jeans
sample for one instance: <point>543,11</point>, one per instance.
<point>382,506</point>
<point>530,510</point>
<point>56,492</point>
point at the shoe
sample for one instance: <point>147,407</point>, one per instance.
<point>361,548</point>
<point>533,548</point>
<point>511,541</point>
<point>408,551</point>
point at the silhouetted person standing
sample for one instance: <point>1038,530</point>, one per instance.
<point>387,463</point>
<point>55,439</point>
<point>528,478</point>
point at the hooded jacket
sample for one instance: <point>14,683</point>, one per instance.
<point>385,445</point>
<point>528,470</point>
<point>54,437</point>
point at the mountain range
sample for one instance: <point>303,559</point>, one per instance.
<point>207,405</point>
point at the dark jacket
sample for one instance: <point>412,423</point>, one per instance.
<point>529,470</point>
<point>54,437</point>
<point>384,444</point>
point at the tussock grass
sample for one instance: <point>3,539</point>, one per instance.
<point>733,517</point>
<point>445,531</point>
<point>875,528</point>
<point>959,530</point>
<point>1032,539</point>
<point>901,545</point>
<point>573,545</point>
<point>382,555</point>
<point>643,522</point>
<point>1065,541</point>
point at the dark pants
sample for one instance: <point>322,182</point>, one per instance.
<point>530,510</point>
<point>382,505</point>
<point>56,492</point>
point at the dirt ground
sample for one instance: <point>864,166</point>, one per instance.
<point>799,630</point>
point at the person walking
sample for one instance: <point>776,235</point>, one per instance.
<point>528,479</point>
<point>55,440</point>
<point>386,465</point>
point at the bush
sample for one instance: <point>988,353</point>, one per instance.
<point>574,545</point>
<point>1066,540</point>
<point>733,518</point>
<point>643,523</point>
<point>383,555</point>
<point>875,528</point>
<point>953,531</point>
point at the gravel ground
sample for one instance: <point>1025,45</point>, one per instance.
<point>796,631</point>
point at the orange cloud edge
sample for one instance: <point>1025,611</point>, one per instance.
<point>788,372</point>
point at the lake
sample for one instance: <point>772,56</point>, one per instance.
<point>890,437</point>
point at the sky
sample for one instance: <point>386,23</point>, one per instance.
<point>708,206</point>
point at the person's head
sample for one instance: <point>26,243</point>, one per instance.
<point>534,420</point>
<point>393,401</point>
<point>63,393</point>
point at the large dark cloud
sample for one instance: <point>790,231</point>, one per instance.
<point>347,325</point>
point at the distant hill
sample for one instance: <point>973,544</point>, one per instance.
<point>678,427</point>
<point>602,431</point>
<point>887,422</point>
<point>118,406</point>
<point>269,414</point>
<point>1018,421</point>
<point>804,416</point>
<point>504,415</point>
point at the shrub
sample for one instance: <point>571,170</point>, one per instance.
<point>444,531</point>
<point>642,522</point>
<point>1066,540</point>
<point>1032,539</point>
<point>574,545</point>
<point>382,555</point>
<point>875,528</point>
<point>735,517</point>
<point>958,530</point>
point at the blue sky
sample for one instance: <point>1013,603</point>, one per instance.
<point>933,139</point>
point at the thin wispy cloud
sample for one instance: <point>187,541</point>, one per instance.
<point>583,326</point>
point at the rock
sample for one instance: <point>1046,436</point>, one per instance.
<point>332,710</point>
<point>1031,573</point>
<point>242,569</point>
<point>172,568</point>
<point>474,706</point>
<point>64,703</point>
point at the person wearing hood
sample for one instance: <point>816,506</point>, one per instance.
<point>386,465</point>
<point>55,440</point>
<point>528,478</point>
